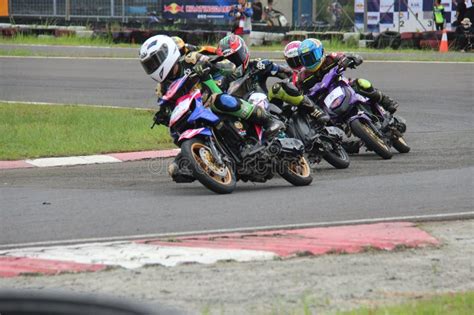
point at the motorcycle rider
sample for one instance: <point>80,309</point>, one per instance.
<point>161,59</point>
<point>316,64</point>
<point>234,49</point>
<point>289,93</point>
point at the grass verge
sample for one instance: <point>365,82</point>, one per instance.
<point>335,45</point>
<point>62,41</point>
<point>32,131</point>
<point>456,303</point>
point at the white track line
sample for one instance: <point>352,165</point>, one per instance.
<point>70,104</point>
<point>134,255</point>
<point>418,218</point>
<point>73,160</point>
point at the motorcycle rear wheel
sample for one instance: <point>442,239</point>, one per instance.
<point>219,179</point>
<point>373,142</point>
<point>297,172</point>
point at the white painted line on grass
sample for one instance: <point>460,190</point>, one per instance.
<point>67,46</point>
<point>69,57</point>
<point>119,239</point>
<point>134,255</point>
<point>73,160</point>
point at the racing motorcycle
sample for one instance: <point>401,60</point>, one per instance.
<point>220,150</point>
<point>355,114</point>
<point>320,142</point>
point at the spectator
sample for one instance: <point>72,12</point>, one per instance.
<point>438,15</point>
<point>335,12</point>
<point>257,8</point>
<point>242,13</point>
<point>152,20</point>
<point>460,12</point>
<point>469,10</point>
<point>465,35</point>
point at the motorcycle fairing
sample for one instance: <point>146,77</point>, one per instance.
<point>183,104</point>
<point>174,87</point>
<point>202,113</point>
<point>191,133</point>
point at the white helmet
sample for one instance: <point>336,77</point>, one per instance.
<point>158,55</point>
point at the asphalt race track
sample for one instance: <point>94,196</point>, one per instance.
<point>138,198</point>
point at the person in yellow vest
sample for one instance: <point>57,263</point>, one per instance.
<point>438,14</point>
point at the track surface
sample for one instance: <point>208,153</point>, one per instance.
<point>138,198</point>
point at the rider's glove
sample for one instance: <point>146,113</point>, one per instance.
<point>357,60</point>
<point>162,116</point>
<point>346,62</point>
<point>158,92</point>
<point>202,70</point>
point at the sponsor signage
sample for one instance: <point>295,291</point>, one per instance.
<point>403,16</point>
<point>197,9</point>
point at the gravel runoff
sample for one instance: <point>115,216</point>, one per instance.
<point>319,284</point>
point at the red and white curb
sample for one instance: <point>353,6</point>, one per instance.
<point>209,249</point>
<point>89,159</point>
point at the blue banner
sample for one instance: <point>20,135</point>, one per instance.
<point>197,9</point>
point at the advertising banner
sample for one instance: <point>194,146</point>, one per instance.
<point>400,15</point>
<point>197,9</point>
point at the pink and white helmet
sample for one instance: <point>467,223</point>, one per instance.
<point>291,55</point>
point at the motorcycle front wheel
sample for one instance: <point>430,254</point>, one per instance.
<point>400,145</point>
<point>296,171</point>
<point>370,138</point>
<point>220,179</point>
<point>337,157</point>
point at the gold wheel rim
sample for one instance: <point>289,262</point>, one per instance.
<point>300,167</point>
<point>195,149</point>
<point>374,135</point>
<point>402,141</point>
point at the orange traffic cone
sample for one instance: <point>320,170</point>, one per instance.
<point>443,46</point>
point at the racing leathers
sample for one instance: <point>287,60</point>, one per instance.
<point>287,92</point>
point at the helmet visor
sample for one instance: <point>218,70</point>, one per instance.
<point>239,57</point>
<point>156,59</point>
<point>309,60</point>
<point>294,62</point>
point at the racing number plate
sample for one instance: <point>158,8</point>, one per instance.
<point>337,92</point>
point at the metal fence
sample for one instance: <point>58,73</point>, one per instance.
<point>104,9</point>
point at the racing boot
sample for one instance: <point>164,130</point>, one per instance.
<point>179,171</point>
<point>271,125</point>
<point>388,104</point>
<point>365,88</point>
<point>320,117</point>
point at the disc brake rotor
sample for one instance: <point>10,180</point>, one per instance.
<point>209,160</point>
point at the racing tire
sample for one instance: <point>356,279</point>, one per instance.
<point>337,157</point>
<point>296,171</point>
<point>400,145</point>
<point>219,179</point>
<point>373,142</point>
